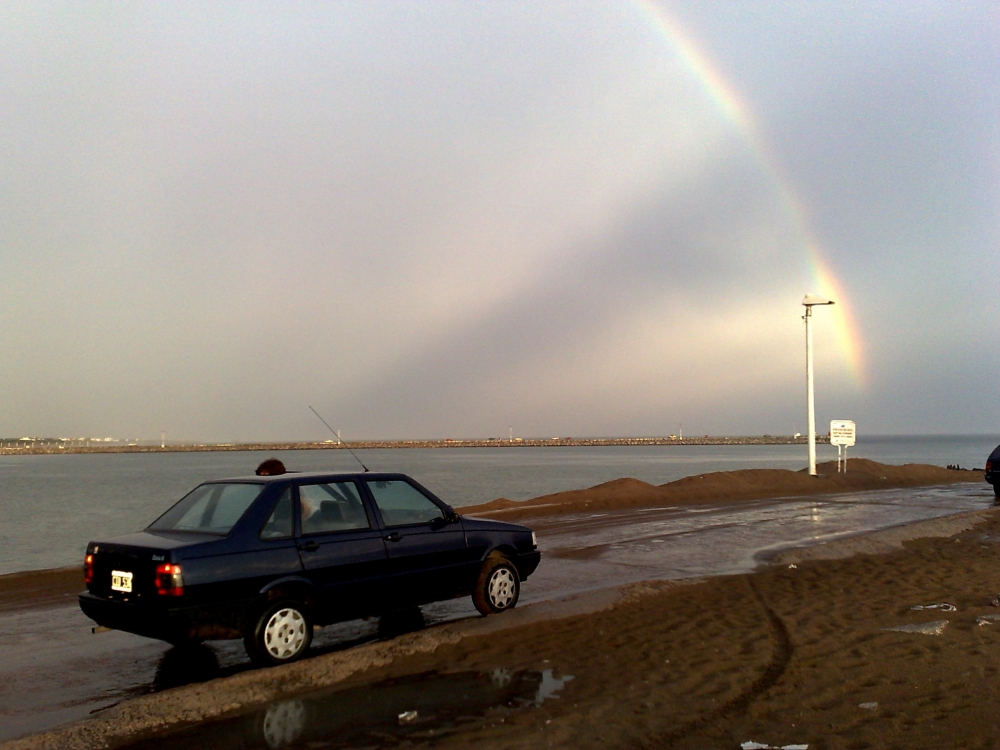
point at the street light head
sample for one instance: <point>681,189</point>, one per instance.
<point>811,299</point>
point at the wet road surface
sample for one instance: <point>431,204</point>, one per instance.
<point>53,670</point>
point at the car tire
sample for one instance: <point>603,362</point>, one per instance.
<point>996,490</point>
<point>281,633</point>
<point>497,587</point>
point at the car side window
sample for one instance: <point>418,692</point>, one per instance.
<point>335,506</point>
<point>279,525</point>
<point>401,503</point>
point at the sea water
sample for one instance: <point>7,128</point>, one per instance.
<point>52,505</point>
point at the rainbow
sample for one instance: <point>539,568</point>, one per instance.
<point>725,99</point>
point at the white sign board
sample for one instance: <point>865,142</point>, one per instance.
<point>842,432</point>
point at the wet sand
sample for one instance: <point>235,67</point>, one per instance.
<point>36,589</point>
<point>785,655</point>
<point>788,655</point>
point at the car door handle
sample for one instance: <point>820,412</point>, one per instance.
<point>393,537</point>
<point>309,547</point>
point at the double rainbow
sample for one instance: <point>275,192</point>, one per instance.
<point>725,99</point>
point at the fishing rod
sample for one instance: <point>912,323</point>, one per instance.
<point>339,441</point>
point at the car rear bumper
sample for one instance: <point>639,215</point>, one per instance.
<point>172,624</point>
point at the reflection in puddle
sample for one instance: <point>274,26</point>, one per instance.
<point>549,686</point>
<point>419,707</point>
<point>284,723</point>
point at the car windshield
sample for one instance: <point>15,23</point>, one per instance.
<point>209,509</point>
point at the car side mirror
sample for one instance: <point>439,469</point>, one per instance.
<point>449,517</point>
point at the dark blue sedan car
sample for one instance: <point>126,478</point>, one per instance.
<point>993,470</point>
<point>267,558</point>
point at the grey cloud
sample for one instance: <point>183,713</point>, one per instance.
<point>215,215</point>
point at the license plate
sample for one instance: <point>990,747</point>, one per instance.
<point>121,580</point>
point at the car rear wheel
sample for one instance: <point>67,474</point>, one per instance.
<point>497,587</point>
<point>996,490</point>
<point>281,634</point>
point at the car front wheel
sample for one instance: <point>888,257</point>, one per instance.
<point>497,587</point>
<point>281,634</point>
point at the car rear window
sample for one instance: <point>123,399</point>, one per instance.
<point>209,509</point>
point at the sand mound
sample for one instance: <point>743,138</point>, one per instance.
<point>726,486</point>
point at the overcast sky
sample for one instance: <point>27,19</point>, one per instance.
<point>451,219</point>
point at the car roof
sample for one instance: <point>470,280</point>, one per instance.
<point>312,475</point>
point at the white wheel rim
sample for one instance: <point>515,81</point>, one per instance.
<point>502,588</point>
<point>285,633</point>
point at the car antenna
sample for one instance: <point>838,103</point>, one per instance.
<point>338,440</point>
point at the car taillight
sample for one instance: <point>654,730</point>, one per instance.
<point>989,466</point>
<point>169,580</point>
<point>88,569</point>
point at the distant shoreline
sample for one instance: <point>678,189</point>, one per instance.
<point>49,448</point>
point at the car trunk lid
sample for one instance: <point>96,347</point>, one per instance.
<point>125,568</point>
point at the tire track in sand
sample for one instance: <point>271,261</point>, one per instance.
<point>780,659</point>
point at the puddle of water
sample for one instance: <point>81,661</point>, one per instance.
<point>387,714</point>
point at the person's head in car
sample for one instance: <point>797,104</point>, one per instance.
<point>272,467</point>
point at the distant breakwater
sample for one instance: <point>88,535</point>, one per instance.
<point>45,447</point>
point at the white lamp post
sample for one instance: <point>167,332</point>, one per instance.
<point>810,300</point>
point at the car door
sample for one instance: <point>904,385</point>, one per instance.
<point>341,548</point>
<point>428,555</point>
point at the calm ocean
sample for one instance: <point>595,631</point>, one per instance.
<point>53,505</point>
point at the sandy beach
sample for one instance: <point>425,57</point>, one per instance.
<point>801,651</point>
